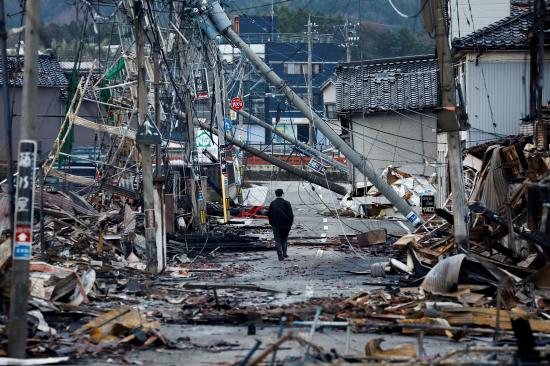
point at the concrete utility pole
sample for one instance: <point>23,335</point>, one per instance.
<point>449,122</point>
<point>24,203</point>
<point>197,199</point>
<point>311,137</point>
<point>348,44</point>
<point>153,265</point>
<point>156,84</point>
<point>238,168</point>
<point>223,25</point>
<point>221,140</point>
<point>159,179</point>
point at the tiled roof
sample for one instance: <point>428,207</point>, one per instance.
<point>49,72</point>
<point>388,84</point>
<point>507,33</point>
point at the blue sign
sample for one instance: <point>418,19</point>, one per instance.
<point>22,251</point>
<point>413,218</point>
<point>227,124</point>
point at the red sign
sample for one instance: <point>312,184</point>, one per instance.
<point>236,104</point>
<point>23,234</point>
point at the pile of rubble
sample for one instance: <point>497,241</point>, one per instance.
<point>90,294</point>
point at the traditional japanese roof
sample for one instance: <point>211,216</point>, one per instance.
<point>387,84</point>
<point>49,72</point>
<point>508,33</point>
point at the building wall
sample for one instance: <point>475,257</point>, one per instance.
<point>496,91</point>
<point>406,141</point>
<point>49,108</point>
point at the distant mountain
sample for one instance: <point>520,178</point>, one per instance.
<point>56,11</point>
<point>376,11</point>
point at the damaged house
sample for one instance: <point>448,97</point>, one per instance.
<point>386,112</point>
<point>493,71</point>
<point>52,86</point>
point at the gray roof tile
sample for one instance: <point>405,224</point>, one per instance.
<point>387,84</point>
<point>49,72</point>
<point>508,33</point>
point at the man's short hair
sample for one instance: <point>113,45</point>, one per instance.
<point>279,192</point>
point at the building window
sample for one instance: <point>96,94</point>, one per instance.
<point>257,107</point>
<point>330,110</point>
<point>296,68</point>
<point>316,68</point>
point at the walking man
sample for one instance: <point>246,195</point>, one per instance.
<point>281,219</point>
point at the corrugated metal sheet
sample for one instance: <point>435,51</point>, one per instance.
<point>389,84</point>
<point>497,97</point>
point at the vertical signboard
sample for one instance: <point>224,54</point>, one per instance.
<point>200,79</point>
<point>24,202</point>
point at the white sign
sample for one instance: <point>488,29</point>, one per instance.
<point>206,141</point>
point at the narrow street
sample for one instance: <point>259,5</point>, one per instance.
<point>318,272</point>
<point>274,183</point>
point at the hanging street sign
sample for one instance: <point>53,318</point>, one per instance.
<point>317,166</point>
<point>24,201</point>
<point>236,104</point>
<point>148,133</point>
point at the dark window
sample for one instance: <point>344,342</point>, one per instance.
<point>330,110</point>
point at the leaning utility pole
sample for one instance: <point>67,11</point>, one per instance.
<point>314,178</point>
<point>145,149</point>
<point>223,25</point>
<point>311,136</point>
<point>449,121</point>
<point>24,202</point>
<point>308,150</point>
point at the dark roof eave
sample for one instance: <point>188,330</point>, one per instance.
<point>380,110</point>
<point>461,51</point>
<point>391,60</point>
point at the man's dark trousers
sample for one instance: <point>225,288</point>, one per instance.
<point>280,233</point>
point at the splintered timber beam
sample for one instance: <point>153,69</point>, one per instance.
<point>121,131</point>
<point>310,177</point>
<point>223,25</point>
